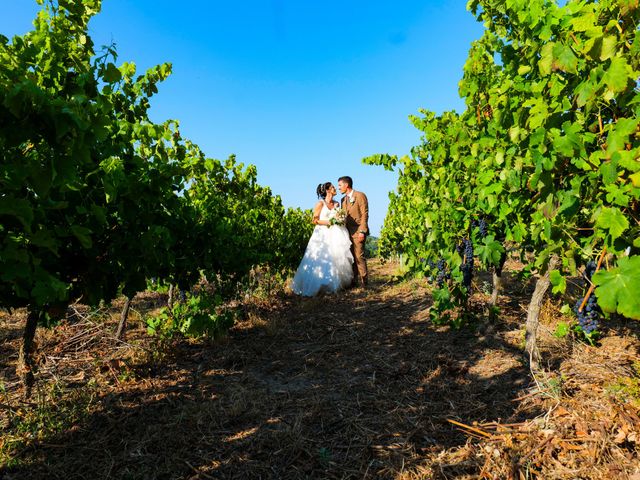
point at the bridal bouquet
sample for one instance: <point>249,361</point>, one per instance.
<point>339,217</point>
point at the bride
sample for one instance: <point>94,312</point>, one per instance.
<point>327,262</point>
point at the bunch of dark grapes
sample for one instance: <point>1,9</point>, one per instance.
<point>588,317</point>
<point>467,266</point>
<point>589,269</point>
<point>482,227</point>
<point>443,273</point>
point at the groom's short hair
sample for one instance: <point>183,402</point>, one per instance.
<point>346,180</point>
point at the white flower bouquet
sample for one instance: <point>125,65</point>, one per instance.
<point>339,217</point>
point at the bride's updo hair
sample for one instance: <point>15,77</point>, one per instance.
<point>322,189</point>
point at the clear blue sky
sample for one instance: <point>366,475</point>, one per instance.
<point>303,90</point>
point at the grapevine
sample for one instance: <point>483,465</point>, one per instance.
<point>96,198</point>
<point>544,157</point>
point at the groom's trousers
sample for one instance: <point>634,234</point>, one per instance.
<point>360,274</point>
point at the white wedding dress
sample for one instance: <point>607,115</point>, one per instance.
<point>327,262</point>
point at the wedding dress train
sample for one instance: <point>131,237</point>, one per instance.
<point>327,262</point>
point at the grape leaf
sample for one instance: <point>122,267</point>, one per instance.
<point>585,92</point>
<point>616,77</point>
<point>617,288</point>
<point>546,59</point>
<point>562,330</point>
<point>558,281</point>
<point>613,220</point>
<point>19,208</point>
<point>490,251</point>
<point>564,59</point>
<point>111,74</point>
<point>83,234</point>
<point>608,47</point>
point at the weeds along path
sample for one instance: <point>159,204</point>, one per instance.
<point>353,385</point>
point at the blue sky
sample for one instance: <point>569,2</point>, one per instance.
<point>303,90</point>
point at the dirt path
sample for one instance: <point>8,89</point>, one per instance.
<point>356,385</point>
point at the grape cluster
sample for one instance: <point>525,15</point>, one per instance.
<point>589,269</point>
<point>467,266</point>
<point>588,317</point>
<point>443,273</point>
<point>482,226</point>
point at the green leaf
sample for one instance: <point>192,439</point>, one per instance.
<point>490,251</point>
<point>19,208</point>
<point>558,281</point>
<point>111,74</point>
<point>609,172</point>
<point>585,92</point>
<point>82,234</point>
<point>619,135</point>
<point>546,59</point>
<point>43,238</point>
<point>617,288</point>
<point>613,220</point>
<point>47,288</point>
<point>524,69</point>
<point>608,49</point>
<point>441,295</point>
<point>538,113</point>
<point>564,58</point>
<point>616,78</point>
<point>570,205</point>
<point>584,22</point>
<point>565,309</point>
<point>562,330</point>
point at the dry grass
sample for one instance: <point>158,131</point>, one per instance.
<point>355,385</point>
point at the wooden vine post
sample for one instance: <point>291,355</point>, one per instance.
<point>26,365</point>
<point>497,280</point>
<point>171,296</point>
<point>533,314</point>
<point>122,326</point>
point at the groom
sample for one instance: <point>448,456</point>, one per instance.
<point>356,205</point>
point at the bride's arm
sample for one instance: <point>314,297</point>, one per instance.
<point>316,215</point>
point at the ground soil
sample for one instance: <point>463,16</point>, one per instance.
<point>355,385</point>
